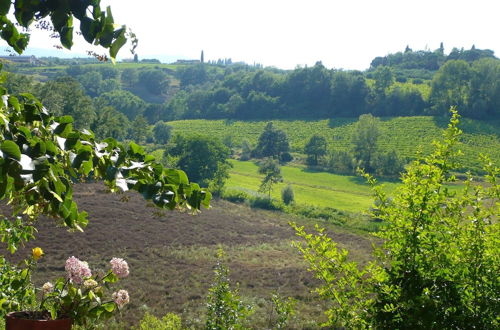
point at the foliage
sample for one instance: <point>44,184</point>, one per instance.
<point>97,29</point>
<point>235,196</point>
<point>365,139</point>
<point>123,101</point>
<point>170,321</point>
<point>203,158</point>
<point>162,132</point>
<point>438,264</point>
<point>82,298</point>
<point>283,308</point>
<point>287,195</point>
<point>111,123</point>
<point>65,97</point>
<point>272,143</point>
<point>37,170</point>
<point>139,129</point>
<point>315,148</point>
<point>270,168</point>
<point>225,310</point>
<point>154,80</point>
<point>402,134</point>
<point>16,290</point>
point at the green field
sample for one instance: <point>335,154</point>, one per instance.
<point>406,135</point>
<point>343,192</point>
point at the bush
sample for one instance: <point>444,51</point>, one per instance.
<point>264,203</point>
<point>287,195</point>
<point>170,321</point>
<point>437,267</point>
<point>225,310</point>
<point>286,157</point>
<point>235,196</point>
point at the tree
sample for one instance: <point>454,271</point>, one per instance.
<point>129,77</point>
<point>43,155</point>
<point>123,101</point>
<point>139,129</point>
<point>162,132</point>
<point>272,174</point>
<point>437,266</point>
<point>111,123</point>
<point>154,80</point>
<point>272,143</point>
<point>65,96</point>
<point>225,310</point>
<point>203,158</point>
<point>315,148</point>
<point>450,86</point>
<point>365,138</point>
<point>287,195</point>
<point>384,78</point>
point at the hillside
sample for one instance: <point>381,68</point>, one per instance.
<point>405,135</point>
<point>171,256</point>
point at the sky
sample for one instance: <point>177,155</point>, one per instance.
<point>345,34</point>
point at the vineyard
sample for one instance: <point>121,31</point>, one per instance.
<point>406,135</point>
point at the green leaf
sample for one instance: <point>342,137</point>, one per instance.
<point>176,177</point>
<point>109,307</point>
<point>64,119</point>
<point>4,7</point>
<point>11,149</point>
<point>67,37</point>
<point>120,40</point>
<point>89,29</point>
<point>136,149</point>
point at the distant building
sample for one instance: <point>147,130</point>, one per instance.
<point>31,60</point>
<point>187,61</point>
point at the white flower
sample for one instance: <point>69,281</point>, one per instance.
<point>121,298</point>
<point>47,288</point>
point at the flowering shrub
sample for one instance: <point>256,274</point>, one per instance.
<point>79,295</point>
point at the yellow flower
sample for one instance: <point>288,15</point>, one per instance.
<point>37,253</point>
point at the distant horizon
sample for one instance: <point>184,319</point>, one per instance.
<point>290,33</point>
<point>170,59</point>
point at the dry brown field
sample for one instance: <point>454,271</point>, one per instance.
<point>171,255</point>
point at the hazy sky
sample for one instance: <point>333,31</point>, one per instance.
<point>285,33</point>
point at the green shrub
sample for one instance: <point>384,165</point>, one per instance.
<point>170,321</point>
<point>235,196</point>
<point>283,309</point>
<point>225,310</point>
<point>287,195</point>
<point>264,203</point>
<point>438,265</point>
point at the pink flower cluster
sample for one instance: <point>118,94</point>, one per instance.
<point>77,270</point>
<point>119,267</point>
<point>121,298</point>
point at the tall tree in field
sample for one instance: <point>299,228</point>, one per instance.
<point>451,86</point>
<point>204,159</point>
<point>273,142</point>
<point>315,148</point>
<point>272,174</point>
<point>365,138</point>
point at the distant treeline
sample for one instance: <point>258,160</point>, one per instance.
<point>122,100</point>
<point>393,86</point>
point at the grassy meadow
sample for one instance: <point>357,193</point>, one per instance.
<point>406,135</point>
<point>343,192</point>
